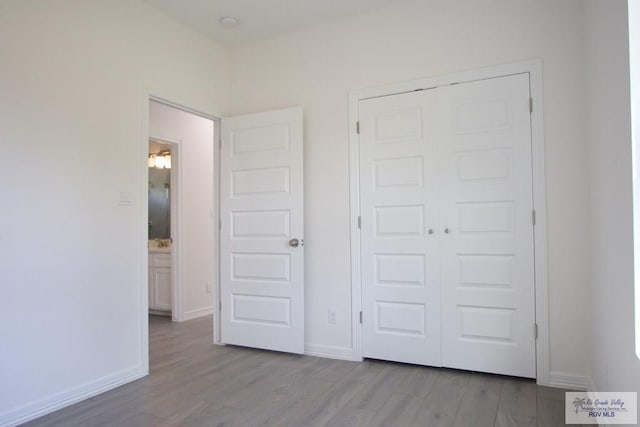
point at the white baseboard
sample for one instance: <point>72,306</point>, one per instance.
<point>592,388</point>
<point>68,397</point>
<point>328,351</point>
<point>199,312</point>
<point>160,312</point>
<point>569,381</point>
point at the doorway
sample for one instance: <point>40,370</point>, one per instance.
<point>163,219</point>
<point>258,187</point>
<point>185,263</point>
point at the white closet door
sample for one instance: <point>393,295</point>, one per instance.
<point>486,206</point>
<point>261,251</point>
<point>455,160</point>
<point>400,261</point>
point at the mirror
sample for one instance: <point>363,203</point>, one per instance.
<point>159,190</point>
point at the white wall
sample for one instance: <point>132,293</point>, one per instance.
<point>317,68</point>
<point>72,78</point>
<point>614,364</point>
<point>195,139</point>
<point>634,71</point>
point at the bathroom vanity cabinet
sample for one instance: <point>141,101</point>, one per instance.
<point>160,282</point>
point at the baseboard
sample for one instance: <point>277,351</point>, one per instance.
<point>592,388</point>
<point>328,351</point>
<point>164,313</point>
<point>199,312</point>
<point>569,381</point>
<point>68,397</point>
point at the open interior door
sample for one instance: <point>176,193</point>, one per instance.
<point>261,238</point>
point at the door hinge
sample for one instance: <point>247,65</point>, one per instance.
<point>530,104</point>
<point>220,305</point>
<point>219,224</point>
<point>358,128</point>
<point>535,331</point>
<point>220,143</point>
<point>360,317</point>
<point>359,221</point>
<point>533,217</point>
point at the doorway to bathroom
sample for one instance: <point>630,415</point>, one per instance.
<point>162,212</point>
<point>182,212</point>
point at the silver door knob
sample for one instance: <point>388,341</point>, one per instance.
<point>294,243</point>
<point>431,231</point>
<point>446,230</point>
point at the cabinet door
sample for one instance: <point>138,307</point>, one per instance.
<point>161,284</point>
<point>151,287</point>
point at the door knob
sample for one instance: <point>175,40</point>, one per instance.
<point>294,243</point>
<point>431,231</point>
<point>446,230</point>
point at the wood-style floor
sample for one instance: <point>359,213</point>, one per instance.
<point>195,383</point>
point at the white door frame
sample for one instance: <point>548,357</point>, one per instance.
<point>534,68</point>
<point>148,96</point>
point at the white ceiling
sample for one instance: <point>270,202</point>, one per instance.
<point>260,19</point>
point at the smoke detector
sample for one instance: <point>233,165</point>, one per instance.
<point>229,22</point>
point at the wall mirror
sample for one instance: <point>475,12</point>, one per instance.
<point>159,190</point>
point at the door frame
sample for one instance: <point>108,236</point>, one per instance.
<point>149,95</point>
<point>534,69</point>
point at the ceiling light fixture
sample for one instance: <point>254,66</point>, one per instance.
<point>229,21</point>
<point>162,160</point>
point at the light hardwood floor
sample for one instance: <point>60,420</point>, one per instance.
<point>195,383</point>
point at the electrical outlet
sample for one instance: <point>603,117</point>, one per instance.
<point>332,316</point>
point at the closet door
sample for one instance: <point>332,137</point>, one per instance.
<point>399,239</point>
<point>485,180</point>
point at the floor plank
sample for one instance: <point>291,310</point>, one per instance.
<point>195,383</point>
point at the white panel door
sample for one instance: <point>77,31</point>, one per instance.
<point>261,238</point>
<point>486,200</point>
<point>446,227</point>
<point>400,261</point>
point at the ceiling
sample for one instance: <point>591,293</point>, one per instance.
<point>260,19</point>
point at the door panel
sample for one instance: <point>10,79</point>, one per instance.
<point>486,201</point>
<point>400,264</point>
<point>261,199</point>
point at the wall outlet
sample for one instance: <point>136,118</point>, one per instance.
<point>331,316</point>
